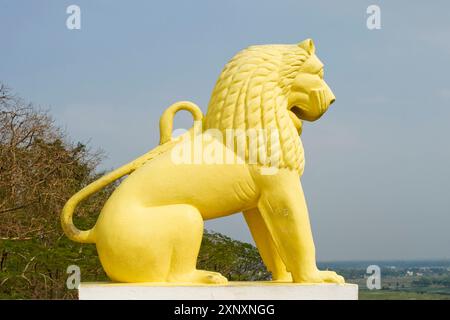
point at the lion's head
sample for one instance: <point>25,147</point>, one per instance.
<point>271,87</point>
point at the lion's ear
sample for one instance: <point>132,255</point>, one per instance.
<point>308,46</point>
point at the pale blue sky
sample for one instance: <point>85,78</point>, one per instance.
<point>377,175</point>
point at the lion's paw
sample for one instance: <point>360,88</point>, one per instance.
<point>325,276</point>
<point>210,277</point>
<point>331,277</point>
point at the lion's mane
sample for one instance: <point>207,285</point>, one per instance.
<point>252,92</point>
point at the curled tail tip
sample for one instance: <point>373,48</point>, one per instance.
<point>72,232</point>
<point>82,236</point>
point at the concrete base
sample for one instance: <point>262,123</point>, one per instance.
<point>258,290</point>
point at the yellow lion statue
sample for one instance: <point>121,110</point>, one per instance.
<point>245,156</point>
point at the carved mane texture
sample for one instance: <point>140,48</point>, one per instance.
<point>252,93</point>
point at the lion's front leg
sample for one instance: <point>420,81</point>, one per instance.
<point>283,208</point>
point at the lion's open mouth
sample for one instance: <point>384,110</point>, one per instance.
<point>295,113</point>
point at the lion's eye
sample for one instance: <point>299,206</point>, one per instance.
<point>321,73</point>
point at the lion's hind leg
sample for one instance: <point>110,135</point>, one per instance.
<point>152,244</point>
<point>187,229</point>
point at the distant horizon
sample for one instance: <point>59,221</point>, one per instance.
<point>362,260</point>
<point>446,260</point>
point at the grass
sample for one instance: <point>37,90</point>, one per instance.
<point>400,295</point>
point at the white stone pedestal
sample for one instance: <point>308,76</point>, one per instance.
<point>263,290</point>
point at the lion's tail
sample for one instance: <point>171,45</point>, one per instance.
<point>166,142</point>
